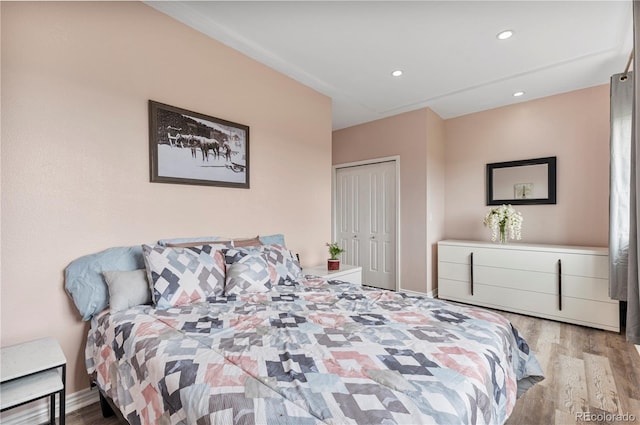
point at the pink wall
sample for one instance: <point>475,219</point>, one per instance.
<point>76,78</point>
<point>405,135</point>
<point>436,140</point>
<point>574,127</point>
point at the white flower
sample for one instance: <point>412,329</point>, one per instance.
<point>504,219</point>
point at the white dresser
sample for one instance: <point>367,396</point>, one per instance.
<point>565,283</point>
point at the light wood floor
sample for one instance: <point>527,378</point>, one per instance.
<point>586,370</point>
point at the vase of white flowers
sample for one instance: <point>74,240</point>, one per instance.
<point>505,223</point>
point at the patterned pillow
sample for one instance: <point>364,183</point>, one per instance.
<point>247,271</point>
<point>285,262</point>
<point>180,276</point>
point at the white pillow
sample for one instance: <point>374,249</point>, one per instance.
<point>127,289</point>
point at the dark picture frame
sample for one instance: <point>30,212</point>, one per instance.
<point>187,147</point>
<point>550,163</point>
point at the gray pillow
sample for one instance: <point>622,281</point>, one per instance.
<point>127,289</point>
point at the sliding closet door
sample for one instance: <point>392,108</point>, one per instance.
<point>366,220</point>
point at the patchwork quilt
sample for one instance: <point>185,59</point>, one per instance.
<point>316,352</point>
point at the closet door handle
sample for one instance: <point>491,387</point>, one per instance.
<point>471,258</point>
<point>559,284</point>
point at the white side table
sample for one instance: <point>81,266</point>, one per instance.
<point>352,274</point>
<point>29,372</point>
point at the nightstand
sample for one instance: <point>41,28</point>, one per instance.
<point>29,372</point>
<point>352,274</point>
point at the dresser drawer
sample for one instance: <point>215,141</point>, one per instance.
<point>592,313</point>
<point>588,265</point>
<point>547,262</point>
<point>588,288</point>
<point>454,254</point>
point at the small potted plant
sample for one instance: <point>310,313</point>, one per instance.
<point>334,250</point>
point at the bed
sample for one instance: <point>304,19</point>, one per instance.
<point>309,351</point>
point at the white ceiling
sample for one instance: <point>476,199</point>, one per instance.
<point>452,60</point>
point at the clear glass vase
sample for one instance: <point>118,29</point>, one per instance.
<point>503,233</point>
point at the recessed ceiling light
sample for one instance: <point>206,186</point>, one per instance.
<point>503,35</point>
<point>518,94</point>
<point>397,73</point>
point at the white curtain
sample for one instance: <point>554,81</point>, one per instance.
<point>624,201</point>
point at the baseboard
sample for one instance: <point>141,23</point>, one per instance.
<point>430,294</point>
<point>38,411</point>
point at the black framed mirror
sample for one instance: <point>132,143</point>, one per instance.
<point>525,182</point>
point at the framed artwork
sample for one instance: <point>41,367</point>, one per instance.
<point>187,147</point>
